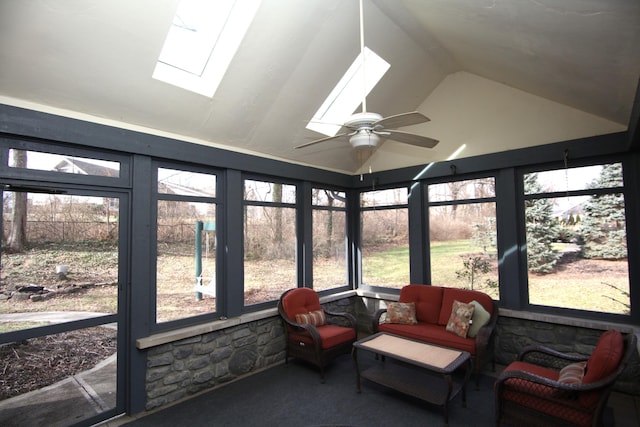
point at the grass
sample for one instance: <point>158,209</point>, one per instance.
<point>93,269</point>
<point>389,268</point>
<point>582,284</point>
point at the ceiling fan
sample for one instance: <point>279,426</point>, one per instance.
<point>364,130</point>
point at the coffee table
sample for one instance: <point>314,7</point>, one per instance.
<point>425,370</point>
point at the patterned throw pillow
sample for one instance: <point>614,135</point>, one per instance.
<point>572,373</point>
<point>401,312</point>
<point>315,318</point>
<point>461,314</point>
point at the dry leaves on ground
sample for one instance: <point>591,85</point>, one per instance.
<point>38,362</point>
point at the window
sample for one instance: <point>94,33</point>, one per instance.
<point>349,92</point>
<point>202,41</point>
<point>385,238</point>
<point>186,265</point>
<point>69,256</point>
<point>37,160</point>
<point>576,239</point>
<point>462,235</point>
<point>329,239</point>
<point>269,240</point>
<point>60,262</point>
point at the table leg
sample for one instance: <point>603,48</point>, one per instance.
<point>467,375</point>
<point>354,356</point>
<point>445,407</point>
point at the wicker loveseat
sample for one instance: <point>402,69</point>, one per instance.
<point>433,309</point>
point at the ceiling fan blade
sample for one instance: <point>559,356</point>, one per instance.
<point>400,120</point>
<point>409,138</point>
<point>317,141</point>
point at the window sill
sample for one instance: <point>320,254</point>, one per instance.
<point>568,321</point>
<point>217,325</point>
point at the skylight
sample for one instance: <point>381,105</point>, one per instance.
<point>348,93</point>
<point>202,41</point>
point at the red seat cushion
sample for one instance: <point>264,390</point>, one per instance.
<point>331,335</point>
<point>427,299</point>
<point>432,334</point>
<point>542,398</point>
<point>450,295</point>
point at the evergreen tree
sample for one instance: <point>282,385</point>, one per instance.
<point>602,231</point>
<point>542,229</point>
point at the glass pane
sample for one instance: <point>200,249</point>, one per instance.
<point>261,191</point>
<point>599,176</point>
<point>186,264</point>
<point>463,247</point>
<point>269,253</point>
<point>577,253</point>
<point>463,190</point>
<point>328,198</point>
<point>329,249</point>
<point>66,164</point>
<point>392,197</point>
<point>172,181</point>
<point>60,254</point>
<point>385,248</point>
<point>72,357</point>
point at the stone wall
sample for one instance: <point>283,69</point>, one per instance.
<point>183,368</point>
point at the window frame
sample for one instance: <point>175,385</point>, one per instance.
<point>344,209</point>
<point>55,177</point>
<point>218,201</point>
<point>359,258</point>
<point>523,269</point>
<point>296,205</point>
<point>469,201</point>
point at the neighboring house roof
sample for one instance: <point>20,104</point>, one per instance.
<point>72,165</point>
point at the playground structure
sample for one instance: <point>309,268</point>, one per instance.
<point>201,287</point>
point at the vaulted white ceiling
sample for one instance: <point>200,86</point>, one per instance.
<point>493,75</point>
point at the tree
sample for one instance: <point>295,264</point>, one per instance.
<point>17,240</point>
<point>484,234</point>
<point>542,229</point>
<point>473,268</point>
<point>277,226</point>
<point>603,228</point>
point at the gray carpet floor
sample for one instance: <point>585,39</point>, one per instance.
<point>292,395</point>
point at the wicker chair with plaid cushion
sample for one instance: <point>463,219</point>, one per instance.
<point>313,333</point>
<point>544,387</point>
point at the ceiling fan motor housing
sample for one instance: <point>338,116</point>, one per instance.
<point>358,120</point>
<point>364,138</point>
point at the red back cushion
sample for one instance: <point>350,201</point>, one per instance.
<point>605,357</point>
<point>427,299</point>
<point>300,301</point>
<point>463,295</point>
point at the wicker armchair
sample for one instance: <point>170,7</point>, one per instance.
<point>312,333</point>
<point>546,388</point>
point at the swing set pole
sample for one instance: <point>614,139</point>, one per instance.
<point>198,258</point>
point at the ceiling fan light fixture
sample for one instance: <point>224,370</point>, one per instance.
<point>364,139</point>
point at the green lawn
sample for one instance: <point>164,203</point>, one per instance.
<point>594,285</point>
